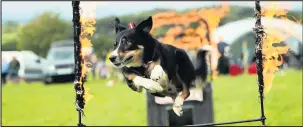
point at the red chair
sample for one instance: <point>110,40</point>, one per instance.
<point>252,69</point>
<point>235,70</point>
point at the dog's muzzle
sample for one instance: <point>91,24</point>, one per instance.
<point>113,59</point>
<point>116,60</point>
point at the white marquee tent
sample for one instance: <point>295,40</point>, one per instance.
<point>234,30</point>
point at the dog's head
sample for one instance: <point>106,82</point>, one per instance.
<point>129,43</point>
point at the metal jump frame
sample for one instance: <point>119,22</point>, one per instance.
<point>79,87</point>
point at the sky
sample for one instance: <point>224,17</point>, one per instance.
<point>24,11</point>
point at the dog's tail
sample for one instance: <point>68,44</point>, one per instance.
<point>202,68</point>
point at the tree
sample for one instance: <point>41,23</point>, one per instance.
<point>9,35</point>
<point>38,34</point>
<point>102,44</point>
<point>10,27</point>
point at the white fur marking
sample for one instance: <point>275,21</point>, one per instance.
<point>148,84</point>
<point>140,46</point>
<point>178,106</point>
<point>159,75</point>
<point>179,100</point>
<point>115,52</point>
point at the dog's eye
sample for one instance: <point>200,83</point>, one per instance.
<point>128,43</point>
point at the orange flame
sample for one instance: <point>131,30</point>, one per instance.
<point>272,54</point>
<point>88,21</point>
<point>193,39</point>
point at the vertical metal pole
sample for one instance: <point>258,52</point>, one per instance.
<point>78,61</point>
<point>258,45</point>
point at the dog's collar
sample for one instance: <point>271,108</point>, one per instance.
<point>131,25</point>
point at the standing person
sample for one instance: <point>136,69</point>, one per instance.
<point>14,67</point>
<point>94,61</point>
<point>245,54</point>
<point>4,71</point>
<point>223,61</point>
<point>102,70</point>
<point>221,46</point>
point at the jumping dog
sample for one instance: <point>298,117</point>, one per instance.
<point>161,69</point>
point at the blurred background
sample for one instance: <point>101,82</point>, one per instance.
<point>38,60</point>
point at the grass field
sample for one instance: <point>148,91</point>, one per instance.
<point>235,98</point>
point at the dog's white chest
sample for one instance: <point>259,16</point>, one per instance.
<point>158,75</point>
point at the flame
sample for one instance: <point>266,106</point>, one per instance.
<point>272,54</point>
<point>88,21</point>
<point>193,39</point>
<point>87,96</point>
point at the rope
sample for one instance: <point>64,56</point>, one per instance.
<point>259,30</point>
<point>79,88</point>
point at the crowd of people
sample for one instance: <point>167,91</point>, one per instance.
<point>233,65</point>
<point>102,69</point>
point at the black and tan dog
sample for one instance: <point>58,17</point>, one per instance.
<point>161,69</point>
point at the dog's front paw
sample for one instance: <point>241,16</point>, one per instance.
<point>153,86</point>
<point>148,84</point>
<point>159,75</point>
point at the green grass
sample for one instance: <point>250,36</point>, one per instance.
<point>235,98</point>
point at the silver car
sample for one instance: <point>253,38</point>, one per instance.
<point>60,62</point>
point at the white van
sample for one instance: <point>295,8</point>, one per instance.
<point>31,65</point>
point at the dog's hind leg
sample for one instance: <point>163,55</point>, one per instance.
<point>179,98</point>
<point>186,75</point>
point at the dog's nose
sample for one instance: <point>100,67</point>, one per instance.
<point>112,58</point>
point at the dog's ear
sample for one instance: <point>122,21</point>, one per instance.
<point>118,27</point>
<point>145,25</point>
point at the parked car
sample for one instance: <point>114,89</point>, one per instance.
<point>31,65</point>
<point>60,62</point>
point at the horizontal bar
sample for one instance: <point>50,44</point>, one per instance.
<point>224,123</point>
